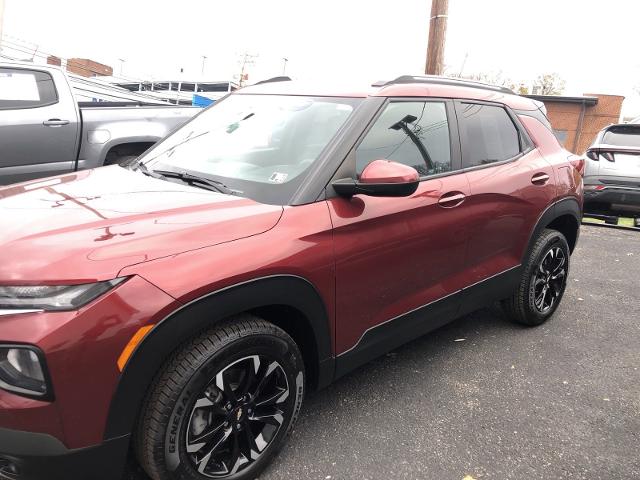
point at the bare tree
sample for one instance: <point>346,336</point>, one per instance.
<point>549,84</point>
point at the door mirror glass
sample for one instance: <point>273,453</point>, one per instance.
<point>381,178</point>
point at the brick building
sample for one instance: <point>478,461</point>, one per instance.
<point>88,68</point>
<point>577,120</point>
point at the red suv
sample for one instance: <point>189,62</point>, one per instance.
<point>173,312</point>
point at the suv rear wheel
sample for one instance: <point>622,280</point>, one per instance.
<point>543,281</point>
<point>223,404</point>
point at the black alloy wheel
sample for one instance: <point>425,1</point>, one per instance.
<point>223,404</point>
<point>237,416</point>
<point>542,282</point>
<point>549,279</point>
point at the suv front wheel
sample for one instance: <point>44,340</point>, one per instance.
<point>543,281</point>
<point>223,404</point>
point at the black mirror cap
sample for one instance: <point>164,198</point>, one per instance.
<point>348,187</point>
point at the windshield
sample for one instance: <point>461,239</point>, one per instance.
<point>259,146</point>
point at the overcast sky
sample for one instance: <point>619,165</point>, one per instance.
<point>592,44</point>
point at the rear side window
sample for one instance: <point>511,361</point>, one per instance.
<point>26,89</point>
<point>413,133</point>
<point>626,136</point>
<point>488,134</point>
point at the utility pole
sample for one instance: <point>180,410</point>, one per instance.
<point>247,59</point>
<point>1,20</point>
<point>437,36</point>
<point>204,60</point>
<point>284,66</point>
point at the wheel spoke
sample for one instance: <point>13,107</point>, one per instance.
<point>201,440</point>
<point>206,403</point>
<point>251,442</point>
<point>202,464</point>
<point>250,375</point>
<point>263,381</point>
<point>236,459</point>
<point>278,397</point>
<point>559,261</point>
<point>225,387</point>
<point>274,418</point>
<point>539,300</point>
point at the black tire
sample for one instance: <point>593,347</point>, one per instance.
<point>524,306</point>
<point>177,405</point>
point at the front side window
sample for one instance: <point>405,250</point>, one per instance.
<point>260,146</point>
<point>26,89</point>
<point>413,133</point>
<point>488,134</point>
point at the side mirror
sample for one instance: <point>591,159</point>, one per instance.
<point>381,178</point>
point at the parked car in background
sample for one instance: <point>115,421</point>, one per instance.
<point>612,174</point>
<point>44,131</point>
<point>174,312</point>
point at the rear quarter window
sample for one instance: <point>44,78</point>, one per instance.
<point>488,134</point>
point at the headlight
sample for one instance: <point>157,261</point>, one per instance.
<point>23,371</point>
<point>60,297</point>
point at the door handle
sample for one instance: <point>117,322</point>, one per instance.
<point>55,122</point>
<point>451,199</point>
<point>540,179</point>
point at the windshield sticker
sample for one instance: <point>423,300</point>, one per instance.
<point>277,177</point>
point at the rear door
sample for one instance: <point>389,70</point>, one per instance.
<point>510,185</point>
<point>396,255</point>
<point>38,127</point>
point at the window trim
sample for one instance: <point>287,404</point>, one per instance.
<point>525,146</point>
<point>348,167</point>
<point>55,101</point>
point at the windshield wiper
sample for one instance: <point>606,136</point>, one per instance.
<point>144,169</point>
<point>194,179</point>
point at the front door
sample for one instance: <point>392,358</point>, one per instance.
<point>396,255</point>
<point>38,126</point>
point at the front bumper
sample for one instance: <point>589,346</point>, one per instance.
<point>81,349</point>
<point>38,456</point>
<point>613,194</point>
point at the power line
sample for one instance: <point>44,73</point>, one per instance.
<point>35,52</point>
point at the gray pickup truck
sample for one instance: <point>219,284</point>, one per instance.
<point>44,131</point>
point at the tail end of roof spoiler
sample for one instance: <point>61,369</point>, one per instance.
<point>540,105</point>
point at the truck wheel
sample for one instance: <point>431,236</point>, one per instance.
<point>223,404</point>
<point>543,281</point>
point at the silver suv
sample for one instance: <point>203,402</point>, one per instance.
<point>612,175</point>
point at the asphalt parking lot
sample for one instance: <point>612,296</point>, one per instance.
<point>482,398</point>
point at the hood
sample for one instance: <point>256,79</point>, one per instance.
<point>88,225</point>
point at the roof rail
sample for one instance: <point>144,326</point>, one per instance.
<point>436,80</point>
<point>273,80</point>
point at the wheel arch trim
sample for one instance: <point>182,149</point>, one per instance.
<point>202,313</point>
<point>563,207</point>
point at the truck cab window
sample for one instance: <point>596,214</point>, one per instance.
<point>21,88</point>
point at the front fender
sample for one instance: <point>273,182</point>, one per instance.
<point>201,314</point>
